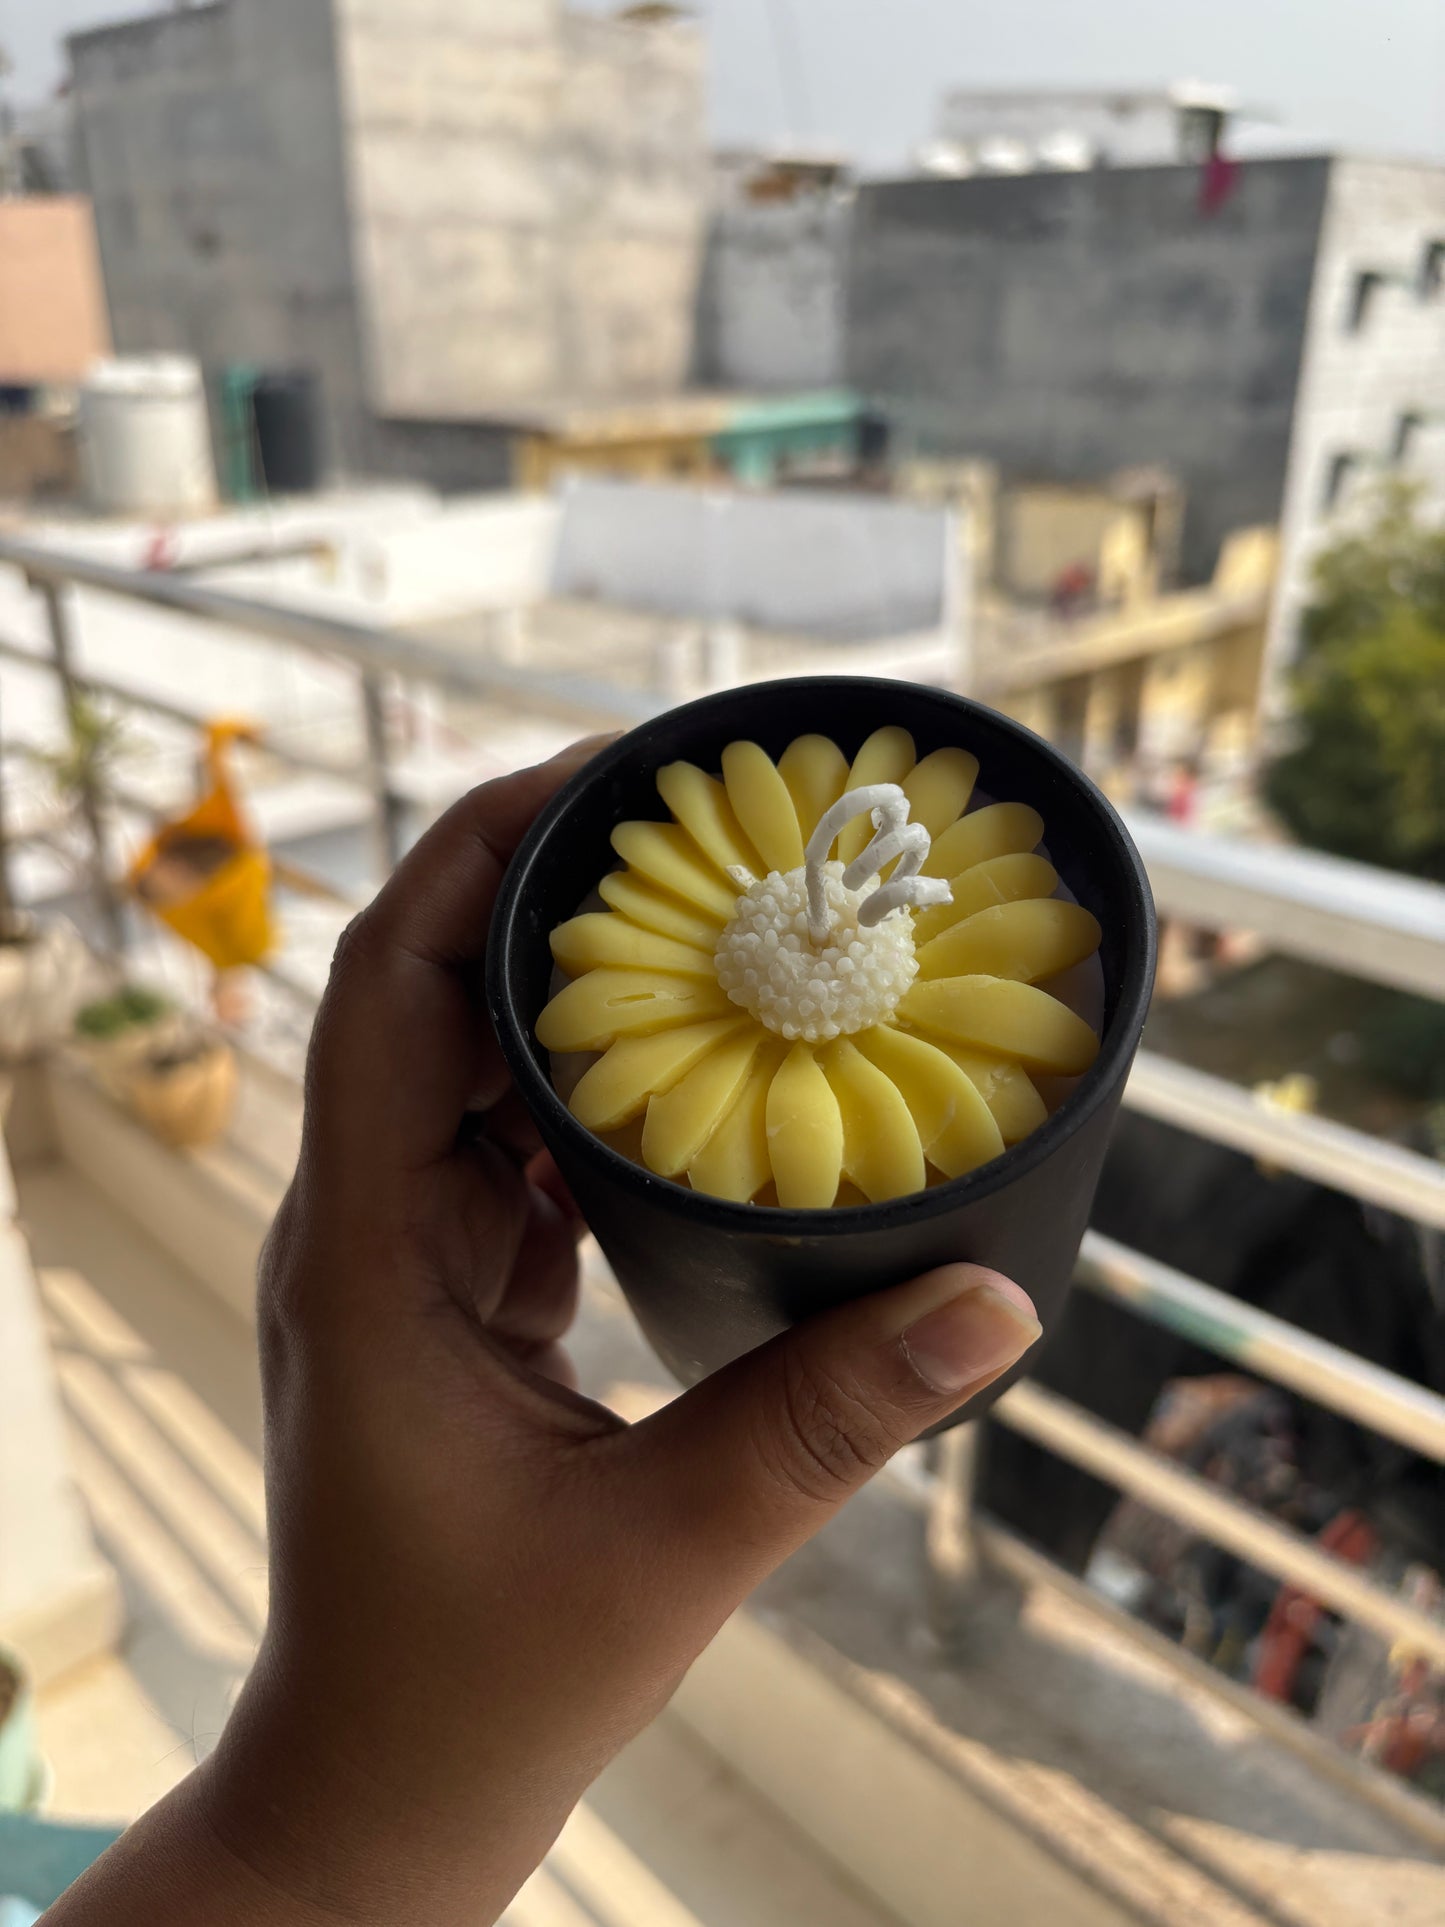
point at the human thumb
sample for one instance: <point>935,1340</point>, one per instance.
<point>748,1464</point>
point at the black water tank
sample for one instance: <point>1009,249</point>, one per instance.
<point>287,410</point>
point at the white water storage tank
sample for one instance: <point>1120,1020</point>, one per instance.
<point>145,441</point>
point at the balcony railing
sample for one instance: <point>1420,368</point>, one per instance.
<point>1385,929</point>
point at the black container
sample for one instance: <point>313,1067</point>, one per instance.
<point>287,412</point>
<point>707,1278</point>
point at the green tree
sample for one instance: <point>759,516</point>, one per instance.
<point>1365,777</point>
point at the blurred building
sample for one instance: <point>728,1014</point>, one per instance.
<point>1273,330</point>
<point>52,327</point>
<point>667,586</point>
<point>42,147</point>
<point>52,308</point>
<point>1080,629</point>
<point>698,436</point>
<point>771,304</point>
<point>1018,130</point>
<point>445,211</point>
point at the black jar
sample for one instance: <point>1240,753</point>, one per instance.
<point>709,1279</point>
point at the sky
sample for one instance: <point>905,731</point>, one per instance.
<point>1367,75</point>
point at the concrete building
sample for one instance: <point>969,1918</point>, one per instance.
<point>772,301</point>
<point>53,326</point>
<point>41,157</point>
<point>1370,401</point>
<point>447,210</point>
<point>701,436</point>
<point>1079,629</point>
<point>677,589</point>
<point>1015,130</point>
<point>1273,339</point>
<point>52,309</point>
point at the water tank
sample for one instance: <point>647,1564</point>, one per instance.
<point>145,442</point>
<point>236,433</point>
<point>287,411</point>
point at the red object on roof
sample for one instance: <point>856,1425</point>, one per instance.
<point>1218,180</point>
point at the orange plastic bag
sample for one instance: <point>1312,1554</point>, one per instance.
<point>222,905</point>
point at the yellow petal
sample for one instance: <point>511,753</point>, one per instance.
<point>734,1162</point>
<point>668,857</point>
<point>1007,1090</point>
<point>881,1149</point>
<point>998,830</point>
<point>668,916</point>
<point>606,1004</point>
<point>760,798</point>
<point>617,1087</point>
<point>886,757</point>
<point>805,1133</point>
<point>816,773</point>
<point>939,787</point>
<point>602,937</point>
<point>700,804</point>
<point>1023,941</point>
<point>1005,1019</point>
<point>1002,879</point>
<point>680,1123</point>
<point>955,1126</point>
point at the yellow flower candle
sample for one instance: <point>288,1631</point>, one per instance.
<point>820,983</point>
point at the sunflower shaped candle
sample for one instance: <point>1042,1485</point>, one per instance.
<point>764,997</point>
<point>814,985</point>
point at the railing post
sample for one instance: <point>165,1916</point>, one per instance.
<point>62,650</point>
<point>951,1544</point>
<point>387,807</point>
<point>7,893</point>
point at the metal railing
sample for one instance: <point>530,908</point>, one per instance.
<point>1387,929</point>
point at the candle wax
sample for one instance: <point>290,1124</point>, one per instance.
<point>821,982</point>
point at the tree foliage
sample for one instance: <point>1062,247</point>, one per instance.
<point>1365,777</point>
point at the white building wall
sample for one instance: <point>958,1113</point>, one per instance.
<point>843,568</point>
<point>486,553</point>
<point>1356,383</point>
<point>773,295</point>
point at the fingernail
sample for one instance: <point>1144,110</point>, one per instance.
<point>984,1324</point>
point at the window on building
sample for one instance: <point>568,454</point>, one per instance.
<point>1432,270</point>
<point>1407,432</point>
<point>1367,285</point>
<point>1337,481</point>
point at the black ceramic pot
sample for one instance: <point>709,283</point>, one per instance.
<point>709,1279</point>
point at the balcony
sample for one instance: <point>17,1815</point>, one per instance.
<point>920,1718</point>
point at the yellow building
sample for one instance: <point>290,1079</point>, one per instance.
<point>1080,633</point>
<point>757,441</point>
<point>666,440</point>
<point>1172,677</point>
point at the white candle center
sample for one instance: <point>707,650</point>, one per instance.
<point>809,953</point>
<point>768,962</point>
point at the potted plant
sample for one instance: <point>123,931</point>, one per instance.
<point>169,1070</point>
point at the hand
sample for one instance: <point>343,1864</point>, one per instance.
<point>484,1584</point>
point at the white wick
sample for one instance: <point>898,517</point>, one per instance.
<point>887,806</point>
